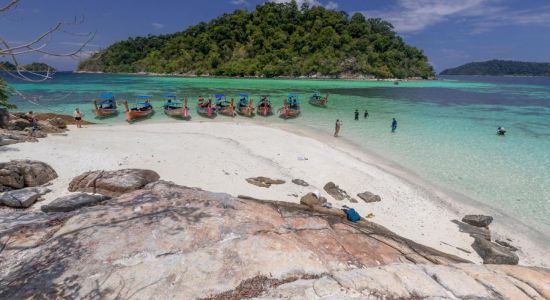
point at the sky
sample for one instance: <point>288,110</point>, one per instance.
<point>451,32</point>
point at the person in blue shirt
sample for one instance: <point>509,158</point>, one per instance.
<point>393,125</point>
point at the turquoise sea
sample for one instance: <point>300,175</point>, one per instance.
<point>446,128</point>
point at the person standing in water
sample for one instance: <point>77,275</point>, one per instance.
<point>366,115</point>
<point>78,118</point>
<point>356,115</point>
<point>337,128</point>
<point>393,125</point>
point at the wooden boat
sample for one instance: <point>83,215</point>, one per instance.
<point>205,109</point>
<point>245,107</point>
<point>291,107</point>
<point>224,107</point>
<point>264,107</point>
<point>317,100</point>
<point>175,108</point>
<point>105,106</point>
<point>142,108</point>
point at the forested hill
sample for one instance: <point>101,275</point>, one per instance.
<point>273,40</point>
<point>501,68</point>
<point>33,67</point>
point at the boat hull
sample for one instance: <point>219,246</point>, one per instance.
<point>226,111</point>
<point>289,113</point>
<point>319,102</point>
<point>246,111</point>
<point>105,112</point>
<point>264,110</point>
<point>207,113</point>
<point>133,115</point>
<point>177,112</point>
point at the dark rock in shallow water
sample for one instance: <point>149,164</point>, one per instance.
<point>369,197</point>
<point>311,200</point>
<point>264,181</point>
<point>18,174</point>
<point>22,198</point>
<point>113,183</point>
<point>73,202</point>
<point>493,253</point>
<point>300,182</point>
<point>478,220</point>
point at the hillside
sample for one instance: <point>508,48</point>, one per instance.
<point>33,67</point>
<point>501,68</point>
<point>273,40</point>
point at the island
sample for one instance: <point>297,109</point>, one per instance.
<point>32,67</point>
<point>501,68</point>
<point>274,40</point>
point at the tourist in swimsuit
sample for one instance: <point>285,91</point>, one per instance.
<point>78,118</point>
<point>356,115</point>
<point>337,128</point>
<point>393,125</point>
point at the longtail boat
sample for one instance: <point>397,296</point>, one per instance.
<point>264,107</point>
<point>105,105</point>
<point>245,106</point>
<point>317,100</point>
<point>141,108</point>
<point>223,106</point>
<point>175,108</point>
<point>291,107</point>
<point>205,108</point>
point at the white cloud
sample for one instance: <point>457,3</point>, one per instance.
<point>410,16</point>
<point>157,26</point>
<point>239,2</point>
<point>328,5</point>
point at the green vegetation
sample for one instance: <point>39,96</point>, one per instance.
<point>4,95</point>
<point>501,68</point>
<point>6,66</point>
<point>34,67</point>
<point>274,40</point>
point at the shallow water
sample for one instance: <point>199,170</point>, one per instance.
<point>446,128</point>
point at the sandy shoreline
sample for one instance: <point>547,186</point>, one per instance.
<point>219,156</point>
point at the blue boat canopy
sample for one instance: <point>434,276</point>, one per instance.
<point>219,96</point>
<point>316,93</point>
<point>107,102</point>
<point>106,96</point>
<point>243,94</point>
<point>172,103</point>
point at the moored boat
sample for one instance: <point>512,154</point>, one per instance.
<point>105,105</point>
<point>317,100</point>
<point>245,107</point>
<point>264,107</point>
<point>223,106</point>
<point>175,108</point>
<point>291,107</point>
<point>205,108</point>
<point>141,108</point>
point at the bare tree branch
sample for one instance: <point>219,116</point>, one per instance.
<point>9,6</point>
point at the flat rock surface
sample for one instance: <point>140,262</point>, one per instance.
<point>369,197</point>
<point>17,174</point>
<point>22,198</point>
<point>113,183</point>
<point>168,241</point>
<point>73,202</point>
<point>300,182</point>
<point>493,253</point>
<point>265,182</point>
<point>335,191</point>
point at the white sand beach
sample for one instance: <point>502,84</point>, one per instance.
<point>219,156</point>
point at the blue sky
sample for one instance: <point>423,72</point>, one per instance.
<point>451,32</point>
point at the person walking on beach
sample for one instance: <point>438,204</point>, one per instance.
<point>78,118</point>
<point>356,115</point>
<point>393,125</point>
<point>366,115</point>
<point>337,127</point>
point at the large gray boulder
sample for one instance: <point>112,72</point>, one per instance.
<point>369,197</point>
<point>300,182</point>
<point>265,182</point>
<point>23,198</point>
<point>113,183</point>
<point>337,193</point>
<point>478,220</point>
<point>18,124</point>
<point>311,200</point>
<point>493,253</point>
<point>73,202</point>
<point>18,174</point>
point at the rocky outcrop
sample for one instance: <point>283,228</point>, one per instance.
<point>73,202</point>
<point>23,198</point>
<point>264,182</point>
<point>18,174</point>
<point>311,200</point>
<point>369,197</point>
<point>300,182</point>
<point>8,137</point>
<point>113,183</point>
<point>168,241</point>
<point>478,220</point>
<point>336,192</point>
<point>492,253</point>
<point>4,117</point>
<point>18,129</point>
<point>58,123</point>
